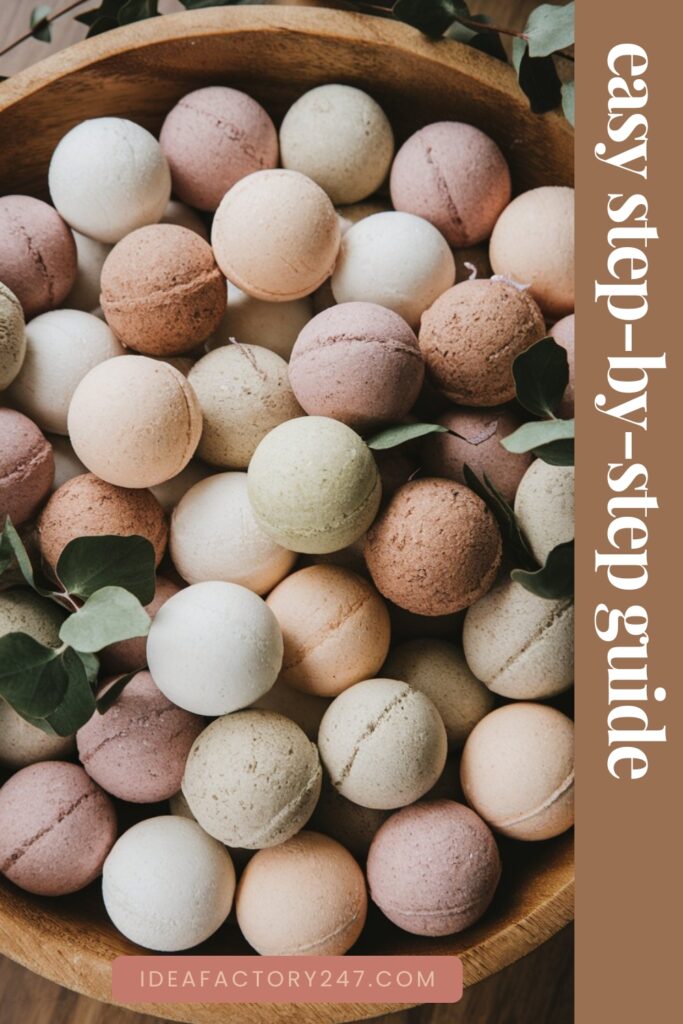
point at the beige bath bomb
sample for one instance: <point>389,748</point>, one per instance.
<point>12,336</point>
<point>544,506</point>
<point>273,325</point>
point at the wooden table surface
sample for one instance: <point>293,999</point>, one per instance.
<point>536,990</point>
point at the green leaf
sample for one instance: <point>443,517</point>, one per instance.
<point>513,538</point>
<point>138,10</point>
<point>557,453</point>
<point>538,79</point>
<point>110,615</point>
<point>88,564</point>
<point>32,676</point>
<point>541,376</point>
<point>568,101</point>
<point>91,665</point>
<point>40,27</point>
<point>393,436</point>
<point>556,579</point>
<point>113,692</point>
<point>432,17</point>
<point>12,549</point>
<point>550,28</point>
<point>532,436</point>
<point>77,706</point>
<point>108,9</point>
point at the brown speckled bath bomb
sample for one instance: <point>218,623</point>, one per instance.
<point>435,548</point>
<point>27,467</point>
<point>37,253</point>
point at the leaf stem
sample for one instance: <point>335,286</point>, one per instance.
<point>480,26</point>
<point>48,20</point>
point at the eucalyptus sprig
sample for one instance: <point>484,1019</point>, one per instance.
<point>541,376</point>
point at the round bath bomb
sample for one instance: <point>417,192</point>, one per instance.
<point>56,828</point>
<point>135,422</point>
<point>131,655</point>
<point>212,138</point>
<point>435,548</point>
<point>91,254</point>
<point>26,467</point>
<point>252,779</point>
<point>359,363</point>
<point>276,235</point>
<point>533,243</point>
<point>341,138</point>
<point>544,506</point>
<point>273,325</point>
<point>454,176</point>
<point>184,217</point>
<point>37,253</point>
<point>86,506</point>
<point>439,669</point>
<point>67,464</point>
<point>383,743</point>
<point>350,824</point>
<point>162,292</point>
<point>305,709</point>
<point>214,648</point>
<point>171,491</point>
<point>563,333</point>
<point>243,392</point>
<point>517,771</point>
<point>24,611</point>
<point>520,645</point>
<point>12,336</point>
<point>351,214</point>
<point>433,868</point>
<point>166,885</point>
<point>313,485</point>
<point>62,346</point>
<point>306,896</point>
<point>214,536</point>
<point>109,176</point>
<point>396,260</point>
<point>472,335</point>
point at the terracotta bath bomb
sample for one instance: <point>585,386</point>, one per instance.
<point>276,235</point>
<point>252,779</point>
<point>56,828</point>
<point>335,628</point>
<point>162,292</point>
<point>313,485</point>
<point>212,138</point>
<point>305,709</point>
<point>350,824</point>
<point>544,506</point>
<point>471,336</point>
<point>131,655</point>
<point>90,254</point>
<point>435,548</point>
<point>12,336</point>
<point>304,897</point>
<point>359,363</point>
<point>563,333</point>
<point>135,422</point>
<point>37,253</point>
<point>517,771</point>
<point>273,325</point>
<point>433,868</point>
<point>26,467</point>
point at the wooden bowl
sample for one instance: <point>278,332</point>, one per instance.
<point>275,54</point>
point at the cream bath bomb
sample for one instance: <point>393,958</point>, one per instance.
<point>544,506</point>
<point>135,422</point>
<point>37,253</point>
<point>335,628</point>
<point>435,548</point>
<point>12,336</point>
<point>350,824</point>
<point>184,217</point>
<point>533,243</point>
<point>304,897</point>
<point>305,709</point>
<point>273,325</point>
<point>26,467</point>
<point>276,235</point>
<point>383,743</point>
<point>252,779</point>
<point>109,176</point>
<point>131,655</point>
<point>563,333</point>
<point>517,771</point>
<point>90,254</point>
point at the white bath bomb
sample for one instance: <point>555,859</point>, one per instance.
<point>273,325</point>
<point>544,506</point>
<point>90,255</point>
<point>169,493</point>
<point>184,217</point>
<point>12,336</point>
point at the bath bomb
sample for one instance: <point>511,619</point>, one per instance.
<point>471,336</point>
<point>563,333</point>
<point>184,217</point>
<point>533,243</point>
<point>454,176</point>
<point>341,138</point>
<point>439,669</point>
<point>273,325</point>
<point>212,138</point>
<point>335,628</point>
<point>135,422</point>
<point>352,213</point>
<point>433,868</point>
<point>162,292</point>
<point>86,506</point>
<point>305,709</point>
<point>67,463</point>
<point>350,824</point>
<point>304,897</point>
<point>396,260</point>
<point>90,254</point>
<point>313,485</point>
<point>169,493</point>
<point>26,467</point>
<point>62,346</point>
<point>243,392</point>
<point>359,363</point>
<point>544,506</point>
<point>517,771</point>
<point>478,445</point>
<point>166,885</point>
<point>37,253</point>
<point>24,611</point>
<point>131,655</point>
<point>435,548</point>
<point>252,779</point>
<point>520,645</point>
<point>214,647</point>
<point>109,176</point>
<point>56,828</point>
<point>351,557</point>
<point>12,336</point>
<point>383,743</point>
<point>276,235</point>
<point>214,536</point>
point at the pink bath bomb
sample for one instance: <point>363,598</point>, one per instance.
<point>455,176</point>
<point>56,828</point>
<point>563,333</point>
<point>27,467</point>
<point>131,655</point>
<point>212,138</point>
<point>37,254</point>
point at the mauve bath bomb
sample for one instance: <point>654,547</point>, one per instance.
<point>212,138</point>
<point>273,325</point>
<point>563,333</point>
<point>131,655</point>
<point>56,828</point>
<point>37,253</point>
<point>91,254</point>
<point>26,467</point>
<point>359,363</point>
<point>544,506</point>
<point>12,336</point>
<point>435,548</point>
<point>433,868</point>
<point>471,336</point>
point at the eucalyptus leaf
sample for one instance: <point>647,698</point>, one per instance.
<point>432,17</point>
<point>91,665</point>
<point>110,615</point>
<point>568,101</point>
<point>12,548</point>
<point>531,436</point>
<point>87,564</point>
<point>557,453</point>
<point>33,679</point>
<point>77,705</point>
<point>101,25</point>
<point>513,538</point>
<point>556,579</point>
<point>40,28</point>
<point>550,28</point>
<point>138,10</point>
<point>541,376</point>
<point>539,80</point>
<point>394,436</point>
<point>114,691</point>
<point>108,9</point>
